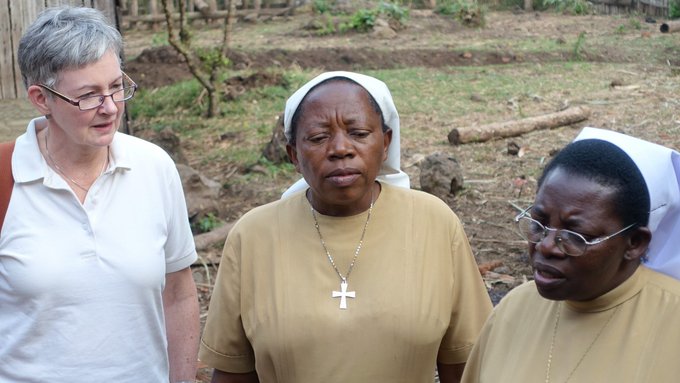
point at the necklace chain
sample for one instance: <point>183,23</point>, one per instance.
<point>552,343</point>
<point>344,278</point>
<point>63,173</point>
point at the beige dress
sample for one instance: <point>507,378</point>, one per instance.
<point>419,295</point>
<point>638,340</point>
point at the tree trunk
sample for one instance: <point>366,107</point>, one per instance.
<point>670,26</point>
<point>211,238</point>
<point>528,5</point>
<point>515,128</point>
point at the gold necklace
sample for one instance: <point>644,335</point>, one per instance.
<point>61,171</point>
<point>343,294</point>
<point>552,343</point>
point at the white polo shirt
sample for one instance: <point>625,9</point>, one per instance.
<point>81,284</point>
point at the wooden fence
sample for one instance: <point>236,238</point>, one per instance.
<point>15,17</point>
<point>656,8</point>
<point>150,12</point>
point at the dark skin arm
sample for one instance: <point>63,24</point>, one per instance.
<point>229,377</point>
<point>450,373</point>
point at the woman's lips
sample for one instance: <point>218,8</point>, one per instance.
<point>343,177</point>
<point>547,275</point>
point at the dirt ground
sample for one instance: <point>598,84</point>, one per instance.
<point>496,183</point>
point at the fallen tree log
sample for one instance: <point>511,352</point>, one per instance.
<point>483,133</point>
<point>670,26</point>
<point>212,238</point>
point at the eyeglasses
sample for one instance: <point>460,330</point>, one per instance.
<point>92,102</point>
<point>569,242</point>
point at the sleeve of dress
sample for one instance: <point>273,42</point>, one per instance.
<point>224,344</point>
<point>473,367</point>
<point>180,251</point>
<point>471,305</point>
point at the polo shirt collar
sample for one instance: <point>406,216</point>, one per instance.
<point>29,165</point>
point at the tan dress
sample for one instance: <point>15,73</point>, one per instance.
<point>419,295</point>
<point>638,340</point>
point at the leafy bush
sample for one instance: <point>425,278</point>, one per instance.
<point>470,13</point>
<point>394,11</point>
<point>207,223</point>
<point>447,7</point>
<point>321,6</point>
<point>575,7</point>
<point>674,9</point>
<point>363,20</point>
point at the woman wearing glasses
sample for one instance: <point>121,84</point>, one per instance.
<point>95,249</point>
<point>593,312</point>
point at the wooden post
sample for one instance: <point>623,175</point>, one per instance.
<point>153,11</point>
<point>134,11</point>
<point>515,128</point>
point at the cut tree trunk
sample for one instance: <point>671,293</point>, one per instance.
<point>515,128</point>
<point>670,26</point>
<point>213,238</point>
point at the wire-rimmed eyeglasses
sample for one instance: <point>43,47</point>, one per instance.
<point>569,242</point>
<point>126,92</point>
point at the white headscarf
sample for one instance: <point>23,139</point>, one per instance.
<point>390,172</point>
<point>660,166</point>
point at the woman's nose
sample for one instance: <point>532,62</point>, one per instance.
<point>548,245</point>
<point>341,145</point>
<point>109,106</point>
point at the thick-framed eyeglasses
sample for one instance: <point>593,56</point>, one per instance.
<point>569,242</point>
<point>126,92</point>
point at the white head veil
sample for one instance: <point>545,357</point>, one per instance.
<point>390,172</point>
<point>660,166</point>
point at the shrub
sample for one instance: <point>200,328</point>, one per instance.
<point>575,7</point>
<point>674,9</point>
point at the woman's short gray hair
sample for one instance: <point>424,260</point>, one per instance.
<point>65,38</point>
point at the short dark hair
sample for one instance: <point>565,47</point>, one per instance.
<point>607,164</point>
<point>298,112</point>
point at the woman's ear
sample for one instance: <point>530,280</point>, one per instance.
<point>638,242</point>
<point>292,156</point>
<point>387,139</point>
<point>37,97</point>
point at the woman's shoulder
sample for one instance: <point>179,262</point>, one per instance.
<point>419,199</point>
<point>662,282</point>
<point>270,214</point>
<point>137,146</point>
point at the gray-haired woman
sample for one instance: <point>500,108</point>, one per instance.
<point>95,284</point>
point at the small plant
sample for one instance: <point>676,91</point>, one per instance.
<point>159,40</point>
<point>208,223</point>
<point>579,46</point>
<point>393,11</point>
<point>574,7</point>
<point>447,7</point>
<point>674,9</point>
<point>363,20</point>
<point>321,6</point>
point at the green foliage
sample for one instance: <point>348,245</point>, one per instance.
<point>321,6</point>
<point>674,9</point>
<point>633,24</point>
<point>574,7</point>
<point>447,7</point>
<point>469,13</point>
<point>207,223</point>
<point>159,40</point>
<point>394,11</point>
<point>212,58</point>
<point>579,46</point>
<point>363,20</point>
